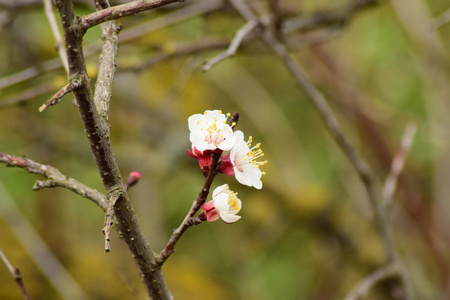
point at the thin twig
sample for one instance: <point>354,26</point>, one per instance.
<point>48,7</point>
<point>179,51</point>
<point>120,11</point>
<point>332,124</point>
<point>54,178</point>
<point>109,221</point>
<point>441,20</point>
<point>15,272</point>
<point>397,165</point>
<point>126,35</point>
<point>190,220</point>
<point>362,289</point>
<point>234,45</point>
<point>56,98</point>
<point>43,257</point>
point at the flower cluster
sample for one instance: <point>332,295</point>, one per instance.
<point>210,133</point>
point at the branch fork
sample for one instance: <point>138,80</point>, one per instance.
<point>56,98</point>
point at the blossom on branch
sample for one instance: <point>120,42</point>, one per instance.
<point>210,131</point>
<point>225,205</point>
<point>241,162</point>
<point>204,158</point>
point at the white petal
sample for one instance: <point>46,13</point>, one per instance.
<point>228,135</point>
<point>195,122</point>
<point>229,218</point>
<point>220,189</point>
<point>221,202</point>
<point>250,176</point>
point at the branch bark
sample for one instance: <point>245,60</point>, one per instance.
<point>120,11</point>
<point>15,272</point>
<point>97,132</point>
<point>54,178</point>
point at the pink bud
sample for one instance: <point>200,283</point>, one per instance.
<point>204,158</point>
<point>133,178</point>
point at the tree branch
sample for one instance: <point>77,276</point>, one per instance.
<point>48,8</point>
<point>189,220</point>
<point>397,165</point>
<point>330,121</point>
<point>234,45</point>
<point>15,272</point>
<point>54,178</point>
<point>56,98</point>
<point>121,11</point>
<point>361,290</point>
<point>97,132</point>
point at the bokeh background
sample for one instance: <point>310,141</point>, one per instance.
<point>309,233</point>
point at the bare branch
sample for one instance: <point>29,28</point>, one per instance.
<point>43,257</point>
<point>56,33</point>
<point>54,178</point>
<point>121,11</point>
<point>179,51</point>
<point>322,19</point>
<point>15,272</point>
<point>97,132</point>
<point>397,165</point>
<point>234,45</point>
<point>108,220</point>
<point>107,68</point>
<point>189,220</point>
<point>441,20</point>
<point>332,124</point>
<point>361,290</point>
<point>56,98</point>
<point>126,35</point>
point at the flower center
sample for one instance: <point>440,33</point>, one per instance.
<point>251,156</point>
<point>232,200</point>
<point>212,132</point>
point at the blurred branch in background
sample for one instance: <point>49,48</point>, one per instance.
<point>398,162</point>
<point>15,272</point>
<point>47,262</point>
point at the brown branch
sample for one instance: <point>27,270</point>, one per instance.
<point>441,20</point>
<point>48,8</point>
<point>108,220</point>
<point>179,51</point>
<point>323,19</point>
<point>361,290</point>
<point>97,132</point>
<point>15,272</point>
<point>54,178</point>
<point>121,11</point>
<point>398,161</point>
<point>56,98</point>
<point>107,68</point>
<point>189,220</point>
<point>234,45</point>
<point>327,115</point>
<point>330,121</point>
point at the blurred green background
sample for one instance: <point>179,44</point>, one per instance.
<point>309,233</point>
